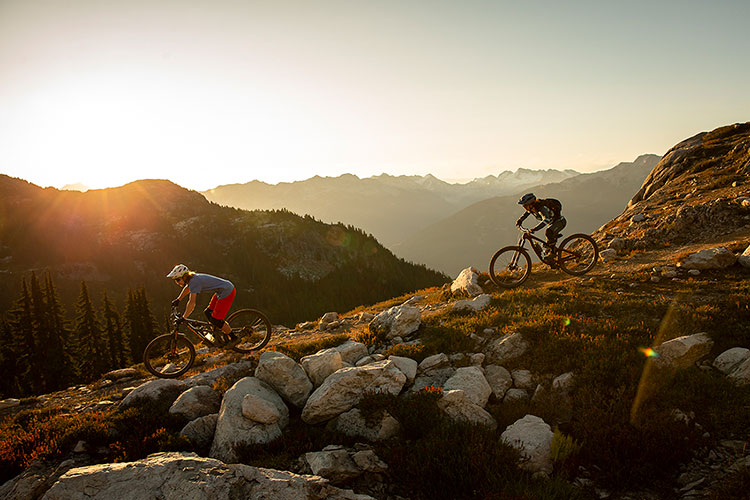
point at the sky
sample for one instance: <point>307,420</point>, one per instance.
<point>105,92</point>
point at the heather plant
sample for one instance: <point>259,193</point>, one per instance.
<point>299,350</point>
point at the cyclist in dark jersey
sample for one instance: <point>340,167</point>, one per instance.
<point>547,212</point>
<point>223,295</point>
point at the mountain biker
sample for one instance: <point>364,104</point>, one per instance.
<point>194,283</point>
<point>547,211</point>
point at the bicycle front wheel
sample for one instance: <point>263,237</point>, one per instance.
<point>578,254</point>
<point>253,329</point>
<point>169,356</point>
<point>510,267</point>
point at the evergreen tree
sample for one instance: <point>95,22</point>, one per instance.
<point>9,382</point>
<point>118,350</point>
<point>92,352</point>
<point>23,343</point>
<point>141,324</point>
<point>60,366</point>
<point>40,330</point>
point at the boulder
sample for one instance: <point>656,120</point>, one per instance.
<point>201,431</point>
<point>476,304</point>
<point>353,423</point>
<point>155,390</point>
<point>505,348</point>
<point>457,405</point>
<point>344,389</point>
<point>709,258</point>
<point>233,428</point>
<point>617,244</point>
<point>515,394</point>
<point>327,319</point>
<point>741,375</point>
<point>321,365</point>
<point>260,410</point>
<point>471,380</point>
<point>434,362</point>
<point>196,402</point>
<point>9,403</point>
<point>173,476</point>
<point>730,359</point>
<point>683,351</point>
<point>407,366</point>
<point>499,379</point>
<point>563,383</point>
<point>286,376</point>
<point>523,379</point>
<point>352,351</point>
<point>433,378</point>
<point>38,477</point>
<point>533,437</point>
<point>368,461</point>
<point>122,373</point>
<point>398,321</point>
<point>333,463</point>
<point>232,371</point>
<point>744,259</point>
<point>467,283</point>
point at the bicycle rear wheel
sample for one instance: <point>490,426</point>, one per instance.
<point>169,356</point>
<point>578,254</point>
<point>253,329</point>
<point>510,267</point>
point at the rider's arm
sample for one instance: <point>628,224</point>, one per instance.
<point>185,290</point>
<point>190,304</point>
<point>522,218</point>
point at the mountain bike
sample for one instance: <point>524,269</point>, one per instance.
<point>511,266</point>
<point>172,354</point>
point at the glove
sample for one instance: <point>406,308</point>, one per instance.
<point>175,302</point>
<point>178,319</point>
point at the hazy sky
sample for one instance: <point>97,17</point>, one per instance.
<point>204,93</point>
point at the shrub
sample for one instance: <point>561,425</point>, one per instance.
<point>414,351</point>
<point>298,351</point>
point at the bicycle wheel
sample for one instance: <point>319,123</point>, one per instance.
<point>510,267</point>
<point>577,254</point>
<point>169,355</point>
<point>253,329</point>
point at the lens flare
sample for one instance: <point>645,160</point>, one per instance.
<point>648,352</point>
<point>566,322</point>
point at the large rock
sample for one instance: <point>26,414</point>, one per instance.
<point>196,402</point>
<point>260,410</point>
<point>286,376</point>
<point>457,405</point>
<point>533,437</point>
<point>234,429</point>
<point>683,351</point>
<point>523,379</point>
<point>434,362</point>
<point>499,379</point>
<point>398,321</point>
<point>741,375</point>
<point>155,390</point>
<point>407,365</point>
<point>186,476</point>
<point>232,371</point>
<point>352,351</point>
<point>38,477</point>
<point>353,423</point>
<point>476,304</point>
<point>505,348</point>
<point>467,283</point>
<point>321,365</point>
<point>471,380</point>
<point>201,431</point>
<point>710,258</point>
<point>345,388</point>
<point>333,463</point>
<point>730,359</point>
<point>744,259</point>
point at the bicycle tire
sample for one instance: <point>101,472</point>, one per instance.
<point>586,255</point>
<point>501,262</point>
<point>166,350</point>
<point>252,327</point>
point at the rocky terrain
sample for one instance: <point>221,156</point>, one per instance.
<point>628,383</point>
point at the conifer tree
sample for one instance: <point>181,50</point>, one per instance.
<point>118,349</point>
<point>59,349</point>
<point>9,382</point>
<point>23,343</point>
<point>92,354</point>
<point>141,324</point>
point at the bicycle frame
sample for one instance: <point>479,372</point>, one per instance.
<point>194,325</point>
<point>527,236</point>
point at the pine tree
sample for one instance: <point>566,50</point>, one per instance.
<point>23,343</point>
<point>141,324</point>
<point>118,350</point>
<point>60,366</point>
<point>9,382</point>
<point>92,354</point>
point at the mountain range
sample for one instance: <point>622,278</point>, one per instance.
<point>446,226</point>
<point>117,239</point>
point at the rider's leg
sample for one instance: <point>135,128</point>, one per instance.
<point>220,310</point>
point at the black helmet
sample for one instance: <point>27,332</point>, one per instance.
<point>527,198</point>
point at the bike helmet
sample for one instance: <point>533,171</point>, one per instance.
<point>527,198</point>
<point>179,271</point>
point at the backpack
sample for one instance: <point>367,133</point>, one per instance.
<point>553,205</point>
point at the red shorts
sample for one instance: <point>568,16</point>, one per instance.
<point>220,307</point>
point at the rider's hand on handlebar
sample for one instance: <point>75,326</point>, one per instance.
<point>175,302</point>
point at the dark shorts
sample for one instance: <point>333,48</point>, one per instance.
<point>554,229</point>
